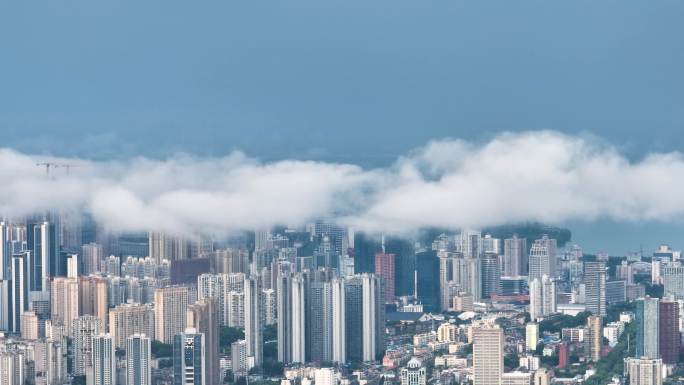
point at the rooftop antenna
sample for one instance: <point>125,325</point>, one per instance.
<point>48,166</point>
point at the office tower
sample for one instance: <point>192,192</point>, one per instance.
<point>616,292</point>
<point>515,256</point>
<point>189,358</point>
<point>19,291</point>
<point>385,269</point>
<point>339,349</point>
<point>595,340</point>
<point>595,287</point>
<point>427,268</point>
<point>5,254</point>
<point>669,338</point>
<point>337,235</point>
<point>491,245</point>
<point>364,318</point>
<point>644,371</point>
<point>92,255</point>
<point>129,319</point>
<point>648,328</point>
<point>404,262</point>
<point>531,336</point>
<point>46,261</point>
<point>490,275</point>
<point>64,300</point>
<point>320,322</point>
<point>542,260</point>
<point>104,360</point>
<point>238,357</point>
<point>673,281</point>
<point>488,344</point>
<point>83,329</point>
<point>203,317</point>
<point>253,324</point>
<point>170,304</point>
<point>542,297</point>
<point>138,358</point>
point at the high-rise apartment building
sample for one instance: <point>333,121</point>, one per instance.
<point>595,337</point>
<point>644,371</point>
<point>170,306</point>
<point>253,321</point>
<point>488,345</point>
<point>542,259</point>
<point>673,281</point>
<point>19,290</point>
<point>83,330</point>
<point>104,360</point>
<point>531,336</point>
<point>64,300</point>
<point>128,319</point>
<point>364,318</point>
<point>542,297</point>
<point>92,255</point>
<point>138,360</point>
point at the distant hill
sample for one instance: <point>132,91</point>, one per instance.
<point>531,231</point>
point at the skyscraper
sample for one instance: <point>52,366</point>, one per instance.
<point>339,347</point>
<point>5,254</point>
<point>670,338</point>
<point>385,269</point>
<point>138,357</point>
<point>19,290</point>
<point>515,256</point>
<point>488,344</point>
<point>203,317</point>
<point>170,305</point>
<point>648,328</point>
<point>104,360</point>
<point>542,260</point>
<point>253,324</point>
<point>491,275</point>
<point>673,281</point>
<point>595,287</point>
<point>320,321</point>
<point>364,318</point>
<point>92,255</point>
<point>595,338</point>
<point>189,358</point>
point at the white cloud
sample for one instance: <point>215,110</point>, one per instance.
<point>542,176</point>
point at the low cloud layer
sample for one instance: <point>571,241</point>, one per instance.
<point>535,176</point>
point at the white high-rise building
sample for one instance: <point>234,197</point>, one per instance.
<point>339,347</point>
<point>92,255</point>
<point>488,344</point>
<point>64,300</point>
<point>531,336</point>
<point>138,357</point>
<point>104,360</point>
<point>326,376</point>
<point>253,321</point>
<point>542,259</point>
<point>542,297</point>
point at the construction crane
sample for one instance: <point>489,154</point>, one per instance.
<point>48,166</point>
<point>68,167</point>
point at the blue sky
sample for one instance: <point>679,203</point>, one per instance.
<point>352,81</point>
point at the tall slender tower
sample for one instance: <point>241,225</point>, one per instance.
<point>104,360</point>
<point>385,267</point>
<point>595,341</point>
<point>339,349</point>
<point>203,317</point>
<point>648,328</point>
<point>19,289</point>
<point>595,286</point>
<point>170,305</point>
<point>670,339</point>
<point>138,357</point>
<point>189,358</point>
<point>253,321</point>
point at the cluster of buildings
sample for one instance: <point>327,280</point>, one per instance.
<point>81,304</point>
